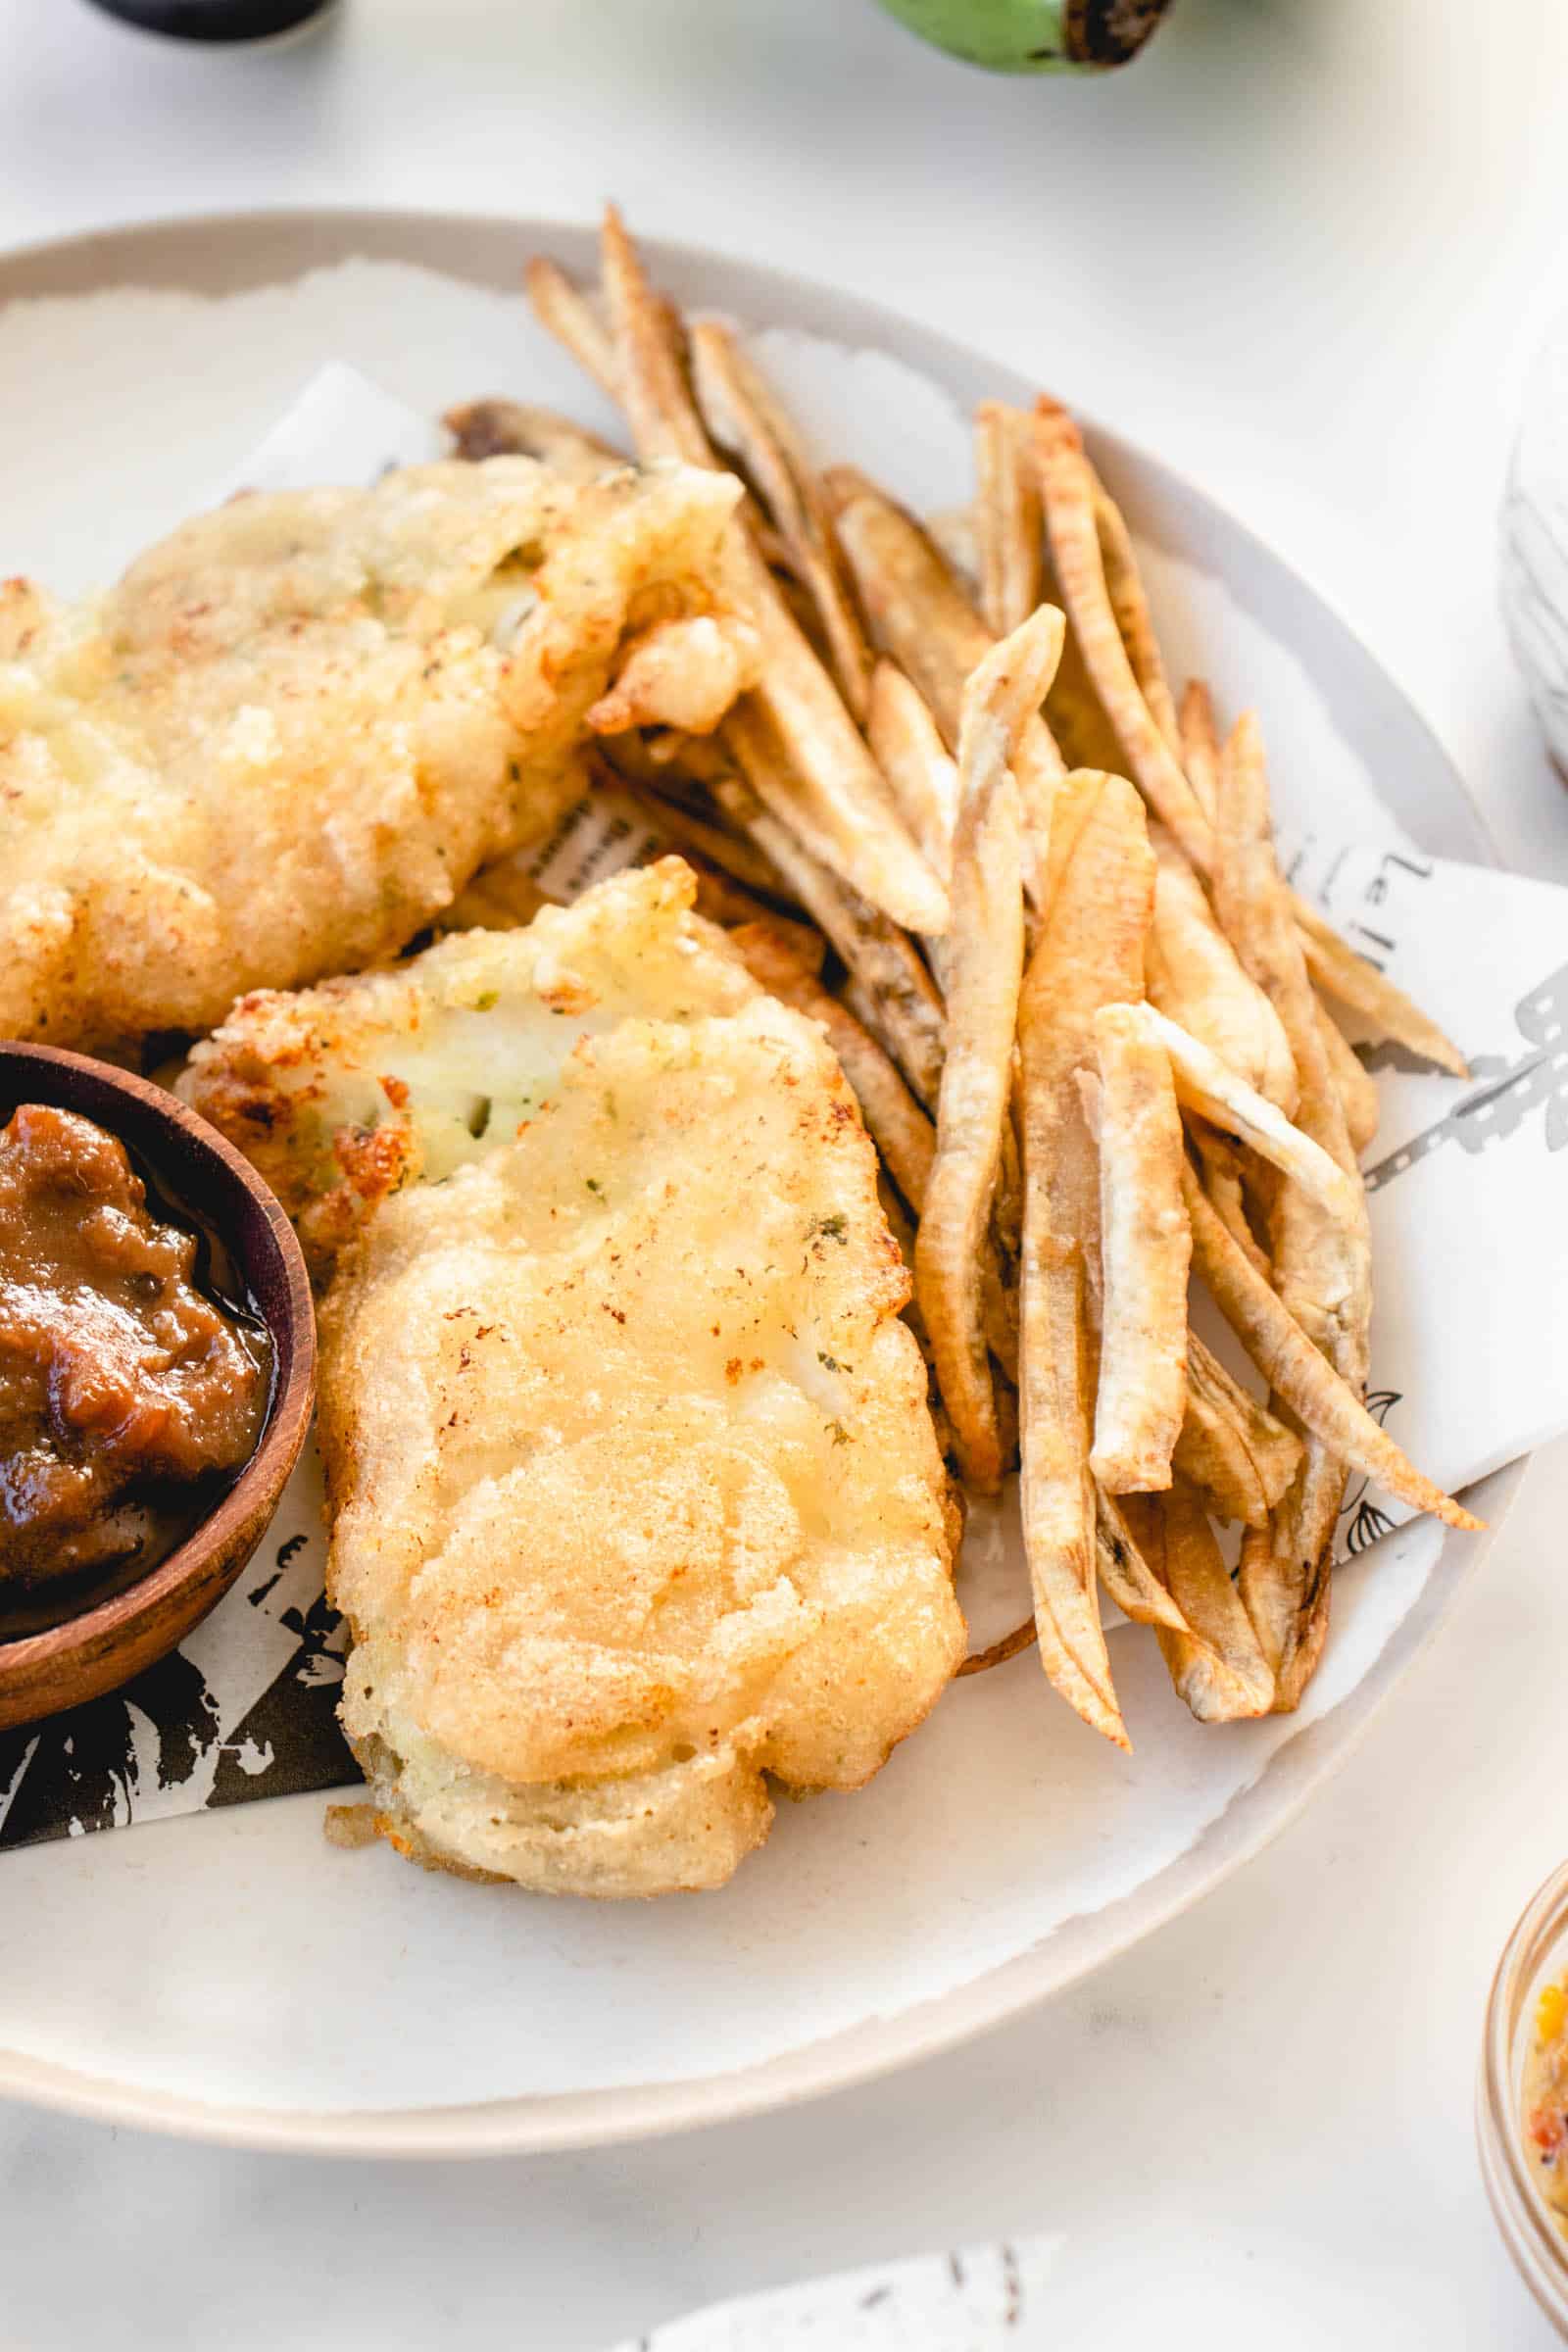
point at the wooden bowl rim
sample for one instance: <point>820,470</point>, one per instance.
<point>293,1334</point>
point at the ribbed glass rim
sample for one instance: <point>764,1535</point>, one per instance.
<point>1533,2236</point>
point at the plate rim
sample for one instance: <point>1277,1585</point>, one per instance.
<point>90,260</point>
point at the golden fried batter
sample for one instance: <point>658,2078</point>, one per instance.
<point>635,1493</point>
<point>299,725</point>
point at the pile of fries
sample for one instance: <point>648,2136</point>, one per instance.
<point>957,815</point>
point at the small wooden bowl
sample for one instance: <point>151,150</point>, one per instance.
<point>106,1645</point>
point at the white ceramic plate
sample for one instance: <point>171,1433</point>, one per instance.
<point>230,1975</point>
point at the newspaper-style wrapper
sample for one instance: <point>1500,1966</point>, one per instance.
<point>1466,1189</point>
<point>975,2299</point>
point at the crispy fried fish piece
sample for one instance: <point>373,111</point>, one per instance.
<point>636,1495</point>
<point>298,726</point>
<point>344,1094</point>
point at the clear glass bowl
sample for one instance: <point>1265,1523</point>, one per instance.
<point>1537,1949</point>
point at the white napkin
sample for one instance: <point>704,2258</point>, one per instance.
<point>342,428</point>
<point>981,2298</point>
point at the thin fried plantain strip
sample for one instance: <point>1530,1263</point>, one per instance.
<point>999,1291</point>
<point>1299,1372</point>
<point>839,805</point>
<point>753,743</point>
<point>1358,1095</point>
<point>921,773</point>
<point>739,857</point>
<point>1124,585</point>
<point>1088,952</point>
<point>1340,973</point>
<point>743,417</point>
<point>920,617</point>
<point>1199,738</point>
<point>998,1304</point>
<point>652,364</point>
<point>984,969</point>
<point>1073,709</point>
<point>909,1020</point>
<point>1286,1573</point>
<point>981,1661</point>
<point>861,1001</point>
<point>1067,487</point>
<point>1224,1173</point>
<point>1207,1085</point>
<point>1057,1493</point>
<point>1144,1249</point>
<point>1009,525</point>
<point>1232,1449</point>
<point>653,387</point>
<point>1321,1261</point>
<point>1124,1572</point>
<point>1218,1669</point>
<point>565,313</point>
<point>919,614</point>
<point>1194,975</point>
<point>727,903</point>
<point>1006,1210</point>
<point>842,807</point>
<point>1067,483</point>
<point>951,532</point>
<point>736,882</point>
<point>1148,1597</point>
<point>1322,1255</point>
<point>916,610</point>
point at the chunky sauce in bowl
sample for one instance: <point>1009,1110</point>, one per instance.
<point>1545,2098</point>
<point>131,1393</point>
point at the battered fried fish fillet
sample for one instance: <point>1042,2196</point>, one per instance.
<point>299,725</point>
<point>636,1497</point>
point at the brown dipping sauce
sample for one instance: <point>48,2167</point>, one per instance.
<point>131,1393</point>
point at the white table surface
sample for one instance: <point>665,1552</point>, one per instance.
<point>1302,248</point>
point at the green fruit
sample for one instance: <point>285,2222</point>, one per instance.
<point>1034,37</point>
